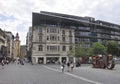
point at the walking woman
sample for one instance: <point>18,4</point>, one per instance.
<point>62,67</point>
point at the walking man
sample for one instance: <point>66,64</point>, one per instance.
<point>62,67</point>
<point>68,66</point>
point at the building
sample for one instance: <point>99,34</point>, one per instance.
<point>16,46</point>
<point>87,29</point>
<point>51,42</point>
<point>3,44</point>
<point>10,44</point>
<point>29,44</point>
<point>51,38</point>
<point>23,51</point>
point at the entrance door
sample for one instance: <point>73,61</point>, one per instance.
<point>40,60</point>
<point>52,60</point>
<point>64,59</point>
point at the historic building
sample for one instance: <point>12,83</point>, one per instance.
<point>16,46</point>
<point>29,43</point>
<point>53,34</point>
<point>10,44</point>
<point>51,43</point>
<point>23,51</point>
<point>3,44</point>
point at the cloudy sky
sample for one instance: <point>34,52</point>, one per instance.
<point>16,15</point>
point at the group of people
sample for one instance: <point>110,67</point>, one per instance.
<point>19,61</point>
<point>3,62</point>
<point>70,66</point>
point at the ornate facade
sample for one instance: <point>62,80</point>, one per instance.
<point>16,46</point>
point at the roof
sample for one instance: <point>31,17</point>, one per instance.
<point>39,18</point>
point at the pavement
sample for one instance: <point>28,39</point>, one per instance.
<point>51,74</point>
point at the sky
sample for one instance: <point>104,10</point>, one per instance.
<point>16,15</point>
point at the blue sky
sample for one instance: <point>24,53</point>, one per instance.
<point>16,15</point>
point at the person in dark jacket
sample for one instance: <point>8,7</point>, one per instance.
<point>68,66</point>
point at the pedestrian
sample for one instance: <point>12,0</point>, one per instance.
<point>2,63</point>
<point>62,67</point>
<point>72,66</point>
<point>68,66</point>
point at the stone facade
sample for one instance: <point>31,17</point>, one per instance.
<point>23,51</point>
<point>51,43</point>
<point>10,44</point>
<point>16,46</point>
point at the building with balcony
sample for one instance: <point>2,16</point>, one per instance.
<point>51,43</point>
<point>53,34</point>
<point>3,44</point>
<point>10,44</point>
<point>29,44</point>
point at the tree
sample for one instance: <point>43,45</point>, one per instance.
<point>113,48</point>
<point>77,52</point>
<point>90,51</point>
<point>71,52</point>
<point>98,48</point>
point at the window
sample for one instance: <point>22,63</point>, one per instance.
<point>40,38</point>
<point>58,38</point>
<point>63,32</point>
<point>70,32</point>
<point>40,47</point>
<point>53,38</point>
<point>70,39</point>
<point>40,29</point>
<point>52,30</point>
<point>53,48</point>
<point>58,31</point>
<point>70,47</point>
<point>47,37</point>
<point>63,39</point>
<point>63,48</point>
<point>58,48</point>
<point>47,48</point>
<point>47,30</point>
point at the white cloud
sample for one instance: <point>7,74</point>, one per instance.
<point>21,10</point>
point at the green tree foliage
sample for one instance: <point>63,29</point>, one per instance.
<point>71,52</point>
<point>113,48</point>
<point>79,52</point>
<point>90,51</point>
<point>98,48</point>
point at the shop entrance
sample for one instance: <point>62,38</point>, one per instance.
<point>40,60</point>
<point>64,59</point>
<point>52,60</point>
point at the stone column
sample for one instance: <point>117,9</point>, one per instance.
<point>67,59</point>
<point>60,59</point>
<point>74,60</point>
<point>36,59</point>
<point>44,60</point>
<point>33,60</point>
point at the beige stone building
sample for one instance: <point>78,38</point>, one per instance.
<point>16,46</point>
<point>51,43</point>
<point>23,51</point>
